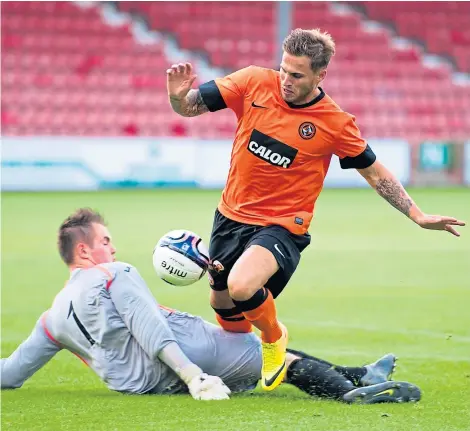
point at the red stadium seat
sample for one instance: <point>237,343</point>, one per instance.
<point>66,72</point>
<point>440,25</point>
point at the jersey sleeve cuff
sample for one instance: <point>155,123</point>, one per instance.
<point>361,161</point>
<point>212,97</point>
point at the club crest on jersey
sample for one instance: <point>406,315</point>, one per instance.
<point>307,130</point>
<point>271,150</point>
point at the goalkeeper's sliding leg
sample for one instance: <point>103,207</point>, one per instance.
<point>365,385</point>
<point>236,359</point>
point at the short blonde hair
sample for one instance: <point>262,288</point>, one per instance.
<point>317,45</point>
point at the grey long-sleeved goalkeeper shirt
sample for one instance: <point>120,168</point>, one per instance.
<point>107,316</point>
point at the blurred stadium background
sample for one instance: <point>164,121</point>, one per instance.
<point>97,69</point>
<point>84,108</point>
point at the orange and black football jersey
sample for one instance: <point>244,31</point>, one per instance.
<point>281,152</point>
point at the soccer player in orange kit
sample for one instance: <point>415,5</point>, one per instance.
<point>288,129</point>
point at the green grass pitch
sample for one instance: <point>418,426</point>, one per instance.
<point>371,282</point>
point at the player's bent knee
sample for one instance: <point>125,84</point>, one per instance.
<point>240,288</point>
<point>251,272</point>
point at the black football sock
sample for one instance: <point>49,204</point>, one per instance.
<point>351,373</point>
<point>318,379</point>
<point>355,374</point>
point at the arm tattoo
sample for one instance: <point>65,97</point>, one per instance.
<point>394,194</point>
<point>191,106</point>
<point>196,104</point>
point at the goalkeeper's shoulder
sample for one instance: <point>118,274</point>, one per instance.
<point>116,267</point>
<point>118,270</point>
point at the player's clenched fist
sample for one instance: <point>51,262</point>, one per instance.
<point>179,79</point>
<point>203,386</point>
<point>208,388</point>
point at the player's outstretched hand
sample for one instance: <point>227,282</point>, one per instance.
<point>179,79</point>
<point>437,222</point>
<point>208,388</point>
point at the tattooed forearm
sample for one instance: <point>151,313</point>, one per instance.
<point>393,192</point>
<point>191,106</point>
<point>390,188</point>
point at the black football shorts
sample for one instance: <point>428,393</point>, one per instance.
<point>229,239</point>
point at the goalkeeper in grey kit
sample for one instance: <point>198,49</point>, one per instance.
<point>107,316</point>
